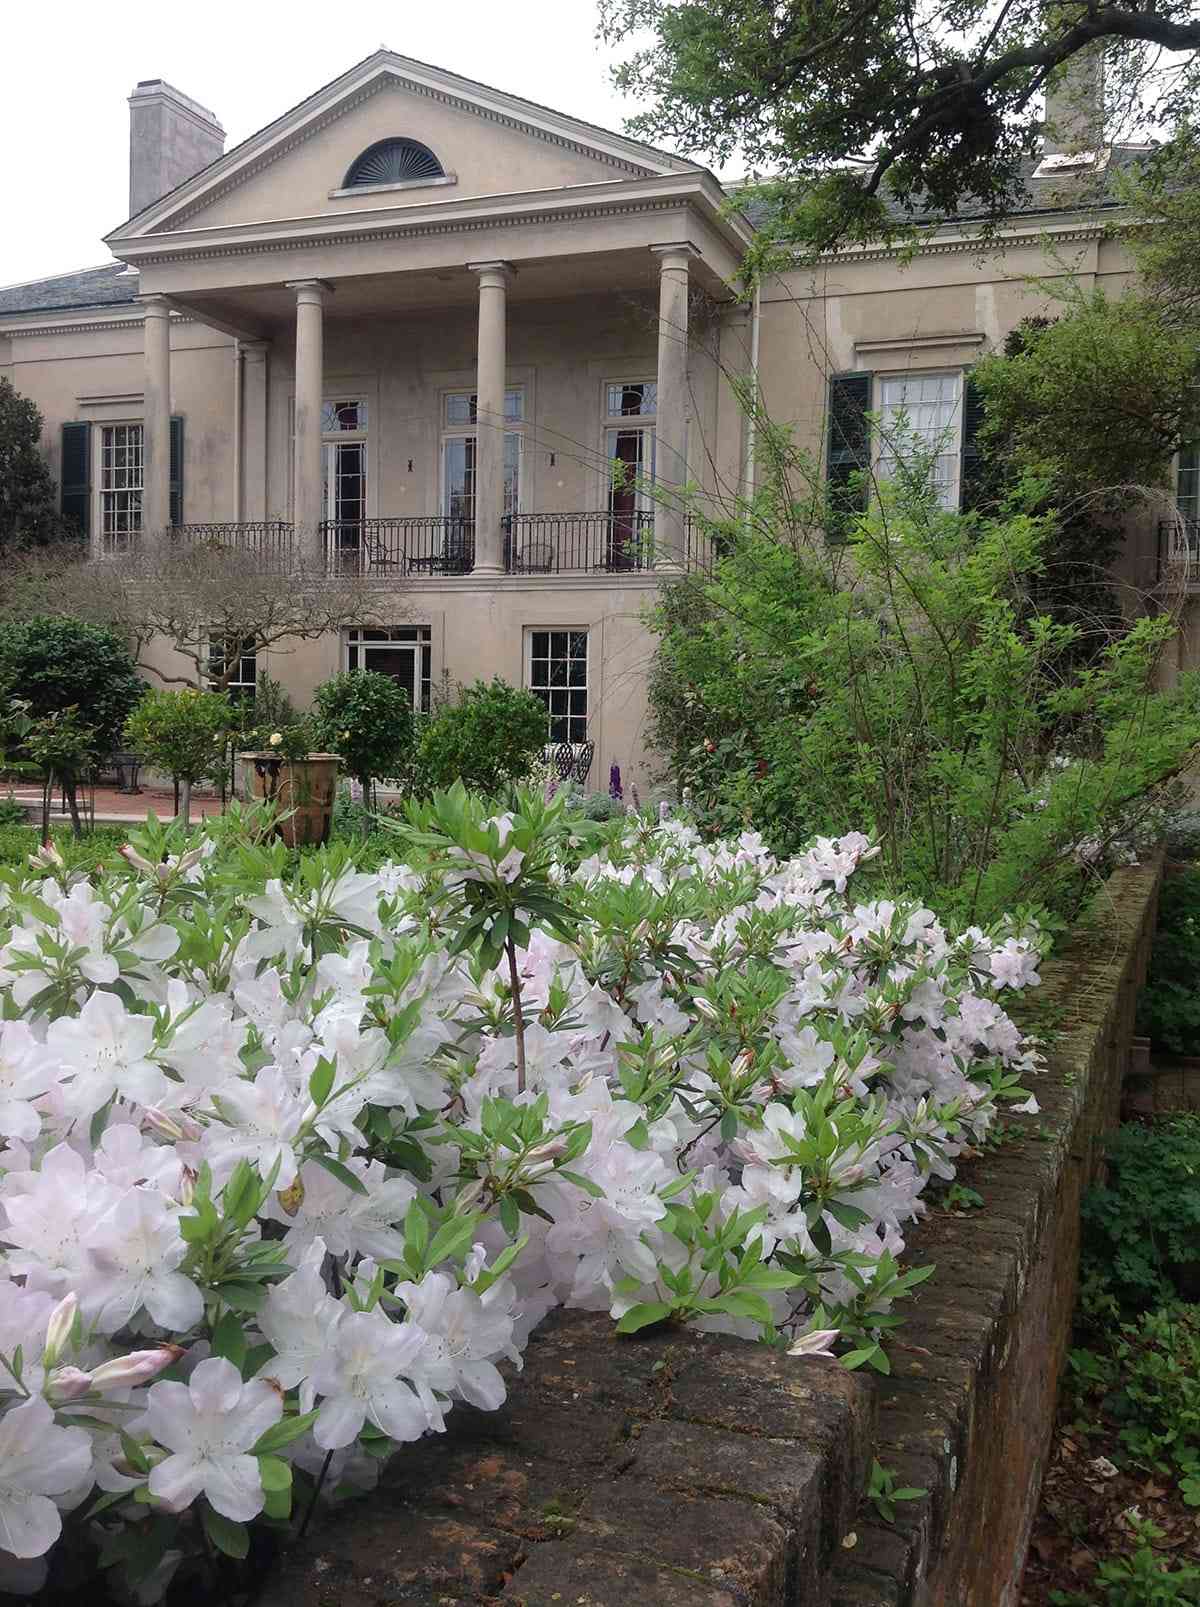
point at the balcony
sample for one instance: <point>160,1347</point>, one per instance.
<point>569,544</point>
<point>1179,551</point>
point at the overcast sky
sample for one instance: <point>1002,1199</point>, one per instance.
<point>64,121</point>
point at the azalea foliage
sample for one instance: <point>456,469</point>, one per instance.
<point>294,1160</point>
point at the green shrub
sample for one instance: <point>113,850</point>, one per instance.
<point>907,685</point>
<point>55,664</point>
<point>489,739</point>
<point>1169,1003</point>
<point>183,733</point>
<point>367,720</point>
<point>1141,1228</point>
<point>96,848</point>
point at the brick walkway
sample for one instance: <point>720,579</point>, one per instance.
<point>113,807</point>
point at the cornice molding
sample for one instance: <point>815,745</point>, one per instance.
<point>85,326</point>
<point>962,243</point>
<point>377,85</point>
<point>469,225</point>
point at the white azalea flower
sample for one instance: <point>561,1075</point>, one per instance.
<point>209,1426</point>
<point>38,1459</point>
<point>362,1378</point>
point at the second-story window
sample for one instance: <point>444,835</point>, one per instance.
<point>920,423</point>
<point>344,474</point>
<point>459,424</point>
<point>630,409</point>
<point>119,485</point>
<point>1187,485</point>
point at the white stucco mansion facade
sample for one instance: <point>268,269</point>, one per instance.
<point>409,326</point>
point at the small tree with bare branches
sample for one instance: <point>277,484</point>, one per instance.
<point>208,600</point>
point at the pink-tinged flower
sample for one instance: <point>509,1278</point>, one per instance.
<point>209,1426</point>
<point>38,1460</point>
<point>818,1343</point>
<point>362,1376</point>
<point>27,1070</point>
<point>138,1367</point>
<point>133,1253</point>
<point>67,1384</point>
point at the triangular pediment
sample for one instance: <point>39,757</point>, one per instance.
<point>484,141</point>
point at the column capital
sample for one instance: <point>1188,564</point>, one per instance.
<point>493,274</point>
<point>677,254</point>
<point>309,291</point>
<point>255,351</point>
<point>155,305</point>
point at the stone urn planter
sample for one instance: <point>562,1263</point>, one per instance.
<point>304,789</point>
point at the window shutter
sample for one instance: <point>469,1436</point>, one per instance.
<point>849,450</point>
<point>971,481</point>
<point>76,478</point>
<point>176,470</point>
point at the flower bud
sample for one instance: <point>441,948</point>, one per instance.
<point>131,857</point>
<point>47,857</point>
<point>66,1384</point>
<point>58,1329</point>
<point>468,1197</point>
<point>139,1367</point>
<point>169,1127</point>
<point>817,1343</point>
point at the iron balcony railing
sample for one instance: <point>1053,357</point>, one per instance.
<point>388,549</point>
<point>578,543</point>
<point>596,543</point>
<point>268,538</point>
<point>1179,549</point>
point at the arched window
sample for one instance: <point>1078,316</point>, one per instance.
<point>393,161</point>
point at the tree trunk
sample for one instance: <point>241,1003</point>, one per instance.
<point>73,804</point>
<point>184,810</point>
<point>47,791</point>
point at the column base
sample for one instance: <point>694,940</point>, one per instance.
<point>491,571</point>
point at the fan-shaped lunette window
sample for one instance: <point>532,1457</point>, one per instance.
<point>394,161</point>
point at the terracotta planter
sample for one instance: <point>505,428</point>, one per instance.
<point>303,788</point>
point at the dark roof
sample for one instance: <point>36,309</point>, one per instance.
<point>1056,193</point>
<point>109,286</point>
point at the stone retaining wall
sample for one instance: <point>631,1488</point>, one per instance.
<point>690,1470</point>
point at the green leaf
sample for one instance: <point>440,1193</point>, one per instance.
<point>275,1473</point>
<point>587,1184</point>
<point>643,1316</point>
<point>342,1173</point>
<point>282,1433</point>
<point>134,1453</point>
<point>229,1339</point>
<point>231,1538</point>
<point>320,1084</point>
<point>277,1503</point>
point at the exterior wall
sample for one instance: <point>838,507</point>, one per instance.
<point>485,157</point>
<point>478,631</point>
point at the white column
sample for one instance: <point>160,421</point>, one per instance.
<point>670,445</point>
<point>156,417</point>
<point>254,430</point>
<point>307,509</point>
<point>490,382</point>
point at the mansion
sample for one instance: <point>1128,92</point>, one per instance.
<point>410,327</point>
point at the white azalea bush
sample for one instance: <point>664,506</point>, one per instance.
<point>294,1160</point>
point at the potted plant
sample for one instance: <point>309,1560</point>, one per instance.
<point>284,770</point>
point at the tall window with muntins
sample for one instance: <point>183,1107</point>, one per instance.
<point>630,409</point>
<point>344,473</point>
<point>1187,485</point>
<point>459,423</point>
<point>393,161</point>
<point>558,675</point>
<point>920,422</point>
<point>241,659</point>
<point>404,652</point>
<point>119,482</point>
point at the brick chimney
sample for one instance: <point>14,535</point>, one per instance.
<point>171,137</point>
<point>1075,106</point>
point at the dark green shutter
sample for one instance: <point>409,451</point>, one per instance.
<point>176,470</point>
<point>76,478</point>
<point>849,452</point>
<point>971,485</point>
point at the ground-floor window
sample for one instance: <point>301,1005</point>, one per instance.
<point>239,657</point>
<point>119,484</point>
<point>404,652</point>
<point>557,673</point>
